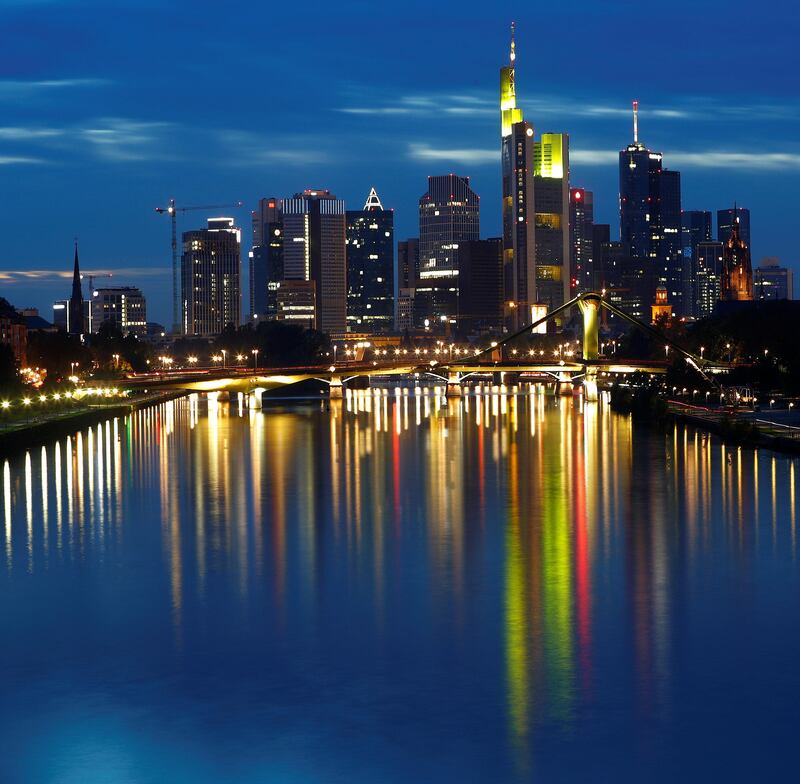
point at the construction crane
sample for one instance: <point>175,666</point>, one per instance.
<point>91,291</point>
<point>172,210</point>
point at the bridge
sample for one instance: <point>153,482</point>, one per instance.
<point>494,359</point>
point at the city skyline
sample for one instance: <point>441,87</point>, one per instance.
<point>103,148</point>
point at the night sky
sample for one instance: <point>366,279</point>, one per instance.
<point>108,110</point>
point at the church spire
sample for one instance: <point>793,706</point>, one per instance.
<point>75,311</point>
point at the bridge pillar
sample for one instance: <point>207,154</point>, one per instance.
<point>590,310</point>
<point>223,395</point>
<point>590,385</point>
<point>453,384</point>
<point>336,389</point>
<point>255,398</point>
<point>564,384</point>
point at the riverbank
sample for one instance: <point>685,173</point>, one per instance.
<point>731,427</point>
<point>25,435</point>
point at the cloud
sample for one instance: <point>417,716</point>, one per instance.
<point>707,159</point>
<point>120,139</point>
<point>247,149</point>
<point>14,88</point>
<point>19,160</point>
<point>10,277</point>
<point>11,133</point>
<point>424,152</point>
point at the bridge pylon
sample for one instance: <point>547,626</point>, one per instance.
<point>590,311</point>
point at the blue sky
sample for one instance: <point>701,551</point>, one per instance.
<point>109,109</point>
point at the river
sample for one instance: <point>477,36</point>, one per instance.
<point>397,587</point>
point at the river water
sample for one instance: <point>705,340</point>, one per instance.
<point>397,587</point>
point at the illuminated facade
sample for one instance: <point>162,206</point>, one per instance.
<point>650,219</point>
<point>370,267</point>
<point>314,249</point>
<point>519,227</point>
<point>210,278</point>
<point>736,281</point>
<point>695,228</point>
<point>449,213</point>
<point>707,276</point>
<point>124,307</point>
<point>771,281</point>
<point>660,309</point>
<point>266,258</point>
<point>581,227</point>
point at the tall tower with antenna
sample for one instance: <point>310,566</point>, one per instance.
<point>519,224</point>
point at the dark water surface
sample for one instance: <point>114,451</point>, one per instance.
<point>399,589</point>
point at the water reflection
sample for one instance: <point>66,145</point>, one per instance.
<point>546,515</point>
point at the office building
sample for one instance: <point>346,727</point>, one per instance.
<point>736,280</point>
<point>123,307</point>
<point>266,258</point>
<point>601,236</point>
<point>449,214</point>
<point>210,278</point>
<point>519,225</point>
<point>370,267</point>
<point>314,249</point>
<point>407,275</point>
<point>581,228</point>
<point>771,281</point>
<point>707,271</point>
<point>480,285</point>
<point>695,228</point>
<point>551,199</point>
<point>726,219</point>
<point>296,302</point>
<point>650,220</point>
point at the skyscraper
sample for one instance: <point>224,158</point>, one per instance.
<point>708,271</point>
<point>449,213</point>
<point>736,281</point>
<point>407,276</point>
<point>266,258</point>
<point>519,227</point>
<point>551,198</point>
<point>581,227</point>
<point>75,306</point>
<point>370,267</point>
<point>314,248</point>
<point>481,285</point>
<point>210,278</point>
<point>650,222</point>
<point>695,228</point>
<point>726,219</point>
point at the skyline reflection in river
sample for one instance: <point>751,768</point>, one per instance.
<point>395,586</point>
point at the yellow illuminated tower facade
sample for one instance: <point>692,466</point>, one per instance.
<point>519,241</point>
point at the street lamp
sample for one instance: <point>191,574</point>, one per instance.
<point>224,353</point>
<point>702,349</point>
<point>255,358</point>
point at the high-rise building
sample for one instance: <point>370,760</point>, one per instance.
<point>481,285</point>
<point>519,226</point>
<point>296,301</point>
<point>370,267</point>
<point>314,248</point>
<point>736,281</point>
<point>75,315</point>
<point>210,278</point>
<point>707,274</point>
<point>601,236</point>
<point>726,219</point>
<point>551,198</point>
<point>650,219</point>
<point>581,227</point>
<point>407,275</point>
<point>695,228</point>
<point>122,306</point>
<point>771,281</point>
<point>449,214</point>
<point>266,258</point>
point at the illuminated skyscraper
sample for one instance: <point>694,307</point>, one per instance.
<point>449,213</point>
<point>122,306</point>
<point>370,267</point>
<point>771,281</point>
<point>650,219</point>
<point>551,191</point>
<point>707,275</point>
<point>695,228</point>
<point>519,226</point>
<point>581,227</point>
<point>314,248</point>
<point>210,278</point>
<point>266,259</point>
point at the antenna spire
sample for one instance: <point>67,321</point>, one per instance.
<point>513,54</point>
<point>636,122</point>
